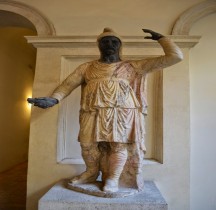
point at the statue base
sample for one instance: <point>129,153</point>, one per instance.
<point>96,190</point>
<point>61,198</point>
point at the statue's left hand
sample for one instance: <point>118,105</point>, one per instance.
<point>154,35</point>
<point>43,102</point>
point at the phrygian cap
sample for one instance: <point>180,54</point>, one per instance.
<point>108,32</point>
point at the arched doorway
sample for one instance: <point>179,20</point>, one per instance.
<point>17,65</point>
<point>16,75</point>
<point>17,68</point>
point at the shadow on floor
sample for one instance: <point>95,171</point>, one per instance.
<point>13,188</point>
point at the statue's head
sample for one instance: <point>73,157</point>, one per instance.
<point>109,42</point>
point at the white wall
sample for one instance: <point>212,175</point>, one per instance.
<point>127,17</point>
<point>203,115</point>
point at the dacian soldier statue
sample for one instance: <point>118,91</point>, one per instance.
<point>112,110</point>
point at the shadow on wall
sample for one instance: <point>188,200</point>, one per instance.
<point>16,78</point>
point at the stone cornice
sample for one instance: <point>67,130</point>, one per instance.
<point>183,41</point>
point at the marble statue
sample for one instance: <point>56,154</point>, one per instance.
<point>112,110</point>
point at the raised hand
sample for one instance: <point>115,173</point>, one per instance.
<point>43,102</point>
<point>154,35</point>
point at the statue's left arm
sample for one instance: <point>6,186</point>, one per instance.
<point>173,55</point>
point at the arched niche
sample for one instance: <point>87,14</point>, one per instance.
<point>41,23</point>
<point>184,23</point>
<point>11,19</point>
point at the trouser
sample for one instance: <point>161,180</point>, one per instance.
<point>109,157</point>
<point>91,156</point>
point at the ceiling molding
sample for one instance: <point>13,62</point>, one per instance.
<point>184,23</point>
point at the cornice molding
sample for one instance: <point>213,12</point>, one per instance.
<point>90,41</point>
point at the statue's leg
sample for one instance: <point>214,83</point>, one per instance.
<point>91,156</point>
<point>117,160</point>
<point>104,148</point>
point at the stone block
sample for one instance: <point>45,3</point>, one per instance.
<point>61,198</point>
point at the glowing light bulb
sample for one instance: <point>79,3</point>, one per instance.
<point>29,105</point>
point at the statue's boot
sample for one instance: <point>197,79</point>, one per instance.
<point>117,160</point>
<point>91,156</point>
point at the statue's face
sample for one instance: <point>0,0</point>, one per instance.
<point>109,45</point>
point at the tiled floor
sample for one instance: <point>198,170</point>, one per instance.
<point>13,188</point>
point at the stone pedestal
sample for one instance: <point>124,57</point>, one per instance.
<point>61,198</point>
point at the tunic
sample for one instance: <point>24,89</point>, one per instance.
<point>113,100</point>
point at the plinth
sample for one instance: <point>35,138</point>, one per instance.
<point>61,198</point>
